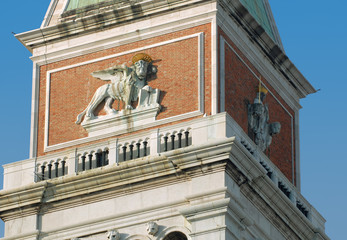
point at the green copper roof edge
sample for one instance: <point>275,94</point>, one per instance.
<point>75,4</point>
<point>89,7</point>
<point>261,12</point>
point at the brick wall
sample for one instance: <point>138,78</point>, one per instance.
<point>72,89</point>
<point>240,88</point>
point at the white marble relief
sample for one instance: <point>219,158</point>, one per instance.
<point>127,84</point>
<point>152,228</point>
<point>113,235</point>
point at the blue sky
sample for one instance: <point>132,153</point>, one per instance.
<point>314,36</point>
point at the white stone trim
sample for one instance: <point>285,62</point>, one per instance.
<point>49,13</point>
<point>47,105</point>
<point>214,66</point>
<point>169,230</point>
<point>91,139</point>
<point>200,110</point>
<point>297,151</point>
<point>34,110</point>
<point>201,73</point>
<point>116,37</point>
<point>222,73</point>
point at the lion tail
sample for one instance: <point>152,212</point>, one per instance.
<point>79,117</point>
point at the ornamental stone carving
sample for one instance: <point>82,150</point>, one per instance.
<point>127,84</point>
<point>152,228</point>
<point>258,121</point>
<point>113,235</point>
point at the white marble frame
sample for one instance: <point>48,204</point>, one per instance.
<point>222,92</point>
<point>201,69</point>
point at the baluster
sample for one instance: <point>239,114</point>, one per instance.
<point>43,172</point>
<point>56,165</point>
<point>172,141</point>
<point>98,159</point>
<point>83,162</point>
<point>124,153</point>
<point>179,140</point>
<point>145,148</point>
<point>90,159</point>
<point>50,170</point>
<point>131,146</point>
<point>106,157</point>
<point>165,143</point>
<point>138,149</point>
<point>103,158</point>
<point>186,134</point>
<point>63,167</point>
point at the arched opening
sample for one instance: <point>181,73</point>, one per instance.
<point>175,236</point>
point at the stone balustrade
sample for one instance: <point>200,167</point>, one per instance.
<point>152,143</point>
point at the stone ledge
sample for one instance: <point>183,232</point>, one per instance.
<point>112,177</point>
<point>125,120</point>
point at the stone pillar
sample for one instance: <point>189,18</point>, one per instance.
<point>72,163</point>
<point>113,153</point>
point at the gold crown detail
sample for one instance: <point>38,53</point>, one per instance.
<point>262,89</point>
<point>141,56</point>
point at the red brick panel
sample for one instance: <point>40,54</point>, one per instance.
<point>73,88</point>
<point>240,87</point>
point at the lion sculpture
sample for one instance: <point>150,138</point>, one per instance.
<point>126,83</point>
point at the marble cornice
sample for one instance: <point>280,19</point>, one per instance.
<point>79,24</point>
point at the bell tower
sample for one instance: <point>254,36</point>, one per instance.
<point>160,120</point>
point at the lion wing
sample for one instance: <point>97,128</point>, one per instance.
<point>113,74</point>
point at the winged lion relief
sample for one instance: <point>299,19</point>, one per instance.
<point>127,84</point>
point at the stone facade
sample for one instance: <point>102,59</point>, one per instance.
<point>188,168</point>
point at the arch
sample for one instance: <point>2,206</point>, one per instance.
<point>174,233</point>
<point>175,236</point>
<point>137,237</point>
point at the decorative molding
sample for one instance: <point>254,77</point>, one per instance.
<point>25,236</point>
<point>200,110</point>
<point>153,25</point>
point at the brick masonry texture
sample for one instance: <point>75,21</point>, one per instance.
<point>72,89</point>
<point>240,87</point>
